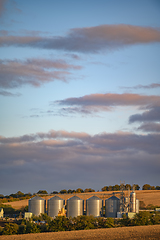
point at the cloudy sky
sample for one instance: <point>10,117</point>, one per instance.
<point>79,94</point>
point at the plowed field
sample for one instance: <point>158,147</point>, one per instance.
<point>138,232</point>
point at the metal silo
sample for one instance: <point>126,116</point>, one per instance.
<point>55,204</point>
<point>112,207</point>
<point>75,206</point>
<point>37,205</point>
<point>137,206</point>
<point>94,206</point>
<point>133,202</point>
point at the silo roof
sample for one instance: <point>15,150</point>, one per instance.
<point>36,198</point>
<point>55,198</point>
<point>113,198</point>
<point>75,198</point>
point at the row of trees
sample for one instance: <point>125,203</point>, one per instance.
<point>78,223</point>
<point>119,187</point>
<point>20,195</point>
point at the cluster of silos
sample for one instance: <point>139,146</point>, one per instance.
<point>75,206</point>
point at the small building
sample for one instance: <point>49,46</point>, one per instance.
<point>1,213</point>
<point>27,215</point>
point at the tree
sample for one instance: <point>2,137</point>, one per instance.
<point>54,192</point>
<point>42,192</point>
<point>128,186</point>
<point>110,188</point>
<point>137,187</point>
<point>146,187</point>
<point>116,187</point>
<point>79,190</point>
<point>10,228</point>
<point>157,187</point>
<point>63,191</point>
<point>89,190</point>
<point>105,188</point>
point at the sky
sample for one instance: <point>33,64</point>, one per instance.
<point>79,94</point>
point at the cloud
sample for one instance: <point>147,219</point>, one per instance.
<point>2,6</point>
<point>150,127</point>
<point>106,102</point>
<point>35,72</point>
<point>150,86</point>
<point>153,114</point>
<point>88,40</point>
<point>69,158</point>
<point>9,94</point>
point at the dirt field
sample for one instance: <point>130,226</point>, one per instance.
<point>138,232</point>
<point>147,196</point>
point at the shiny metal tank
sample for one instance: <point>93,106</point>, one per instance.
<point>133,202</point>
<point>94,206</point>
<point>137,206</point>
<point>37,205</point>
<point>112,206</point>
<point>75,206</point>
<point>55,204</point>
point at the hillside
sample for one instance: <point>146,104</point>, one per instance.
<point>147,196</point>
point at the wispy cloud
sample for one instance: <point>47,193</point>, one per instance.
<point>9,94</point>
<point>2,6</point>
<point>106,102</point>
<point>91,39</point>
<point>150,86</point>
<point>35,72</point>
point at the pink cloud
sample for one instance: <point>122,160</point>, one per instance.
<point>35,72</point>
<point>91,39</point>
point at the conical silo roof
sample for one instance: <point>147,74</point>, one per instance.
<point>94,198</point>
<point>113,198</point>
<point>55,198</point>
<point>74,198</point>
<point>36,198</point>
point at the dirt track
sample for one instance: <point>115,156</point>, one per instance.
<point>138,232</point>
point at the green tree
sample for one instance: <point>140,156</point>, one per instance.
<point>110,188</point>
<point>10,228</point>
<point>116,187</point>
<point>146,187</point>
<point>137,187</point>
<point>105,188</point>
<point>42,192</point>
<point>79,190</point>
<point>63,191</point>
<point>128,186</point>
<point>157,187</point>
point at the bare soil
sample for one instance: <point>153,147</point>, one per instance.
<point>138,232</point>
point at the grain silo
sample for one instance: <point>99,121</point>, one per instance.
<point>75,206</point>
<point>112,206</point>
<point>133,202</point>
<point>55,205</point>
<point>37,205</point>
<point>94,206</point>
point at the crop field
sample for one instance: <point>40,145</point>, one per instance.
<point>147,196</point>
<point>138,232</point>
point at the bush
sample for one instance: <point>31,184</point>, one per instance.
<point>10,228</point>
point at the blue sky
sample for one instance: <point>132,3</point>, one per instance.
<point>79,94</point>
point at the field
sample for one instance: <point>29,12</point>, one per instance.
<point>147,196</point>
<point>138,232</point>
